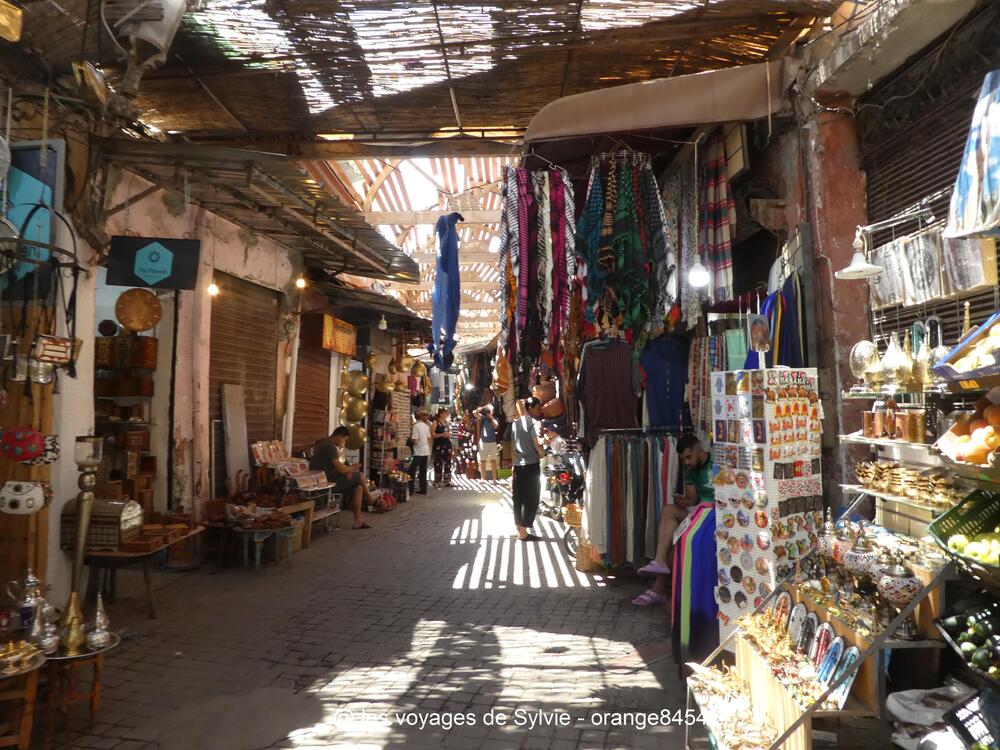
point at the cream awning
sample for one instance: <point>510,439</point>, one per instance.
<point>750,92</point>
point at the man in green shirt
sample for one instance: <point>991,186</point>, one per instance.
<point>697,489</point>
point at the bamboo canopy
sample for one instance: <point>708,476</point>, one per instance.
<point>304,69</point>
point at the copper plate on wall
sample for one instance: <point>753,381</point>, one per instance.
<point>138,310</point>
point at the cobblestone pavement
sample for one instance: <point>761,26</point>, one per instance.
<point>385,638</point>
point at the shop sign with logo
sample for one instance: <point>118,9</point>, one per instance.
<point>156,262</point>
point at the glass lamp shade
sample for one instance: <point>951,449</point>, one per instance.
<point>698,276</point>
<point>898,585</point>
<point>864,354</point>
<point>88,451</point>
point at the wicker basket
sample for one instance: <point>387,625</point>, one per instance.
<point>585,562</point>
<point>573,515</point>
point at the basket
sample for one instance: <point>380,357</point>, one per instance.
<point>977,718</point>
<point>573,515</point>
<point>979,513</point>
<point>585,562</point>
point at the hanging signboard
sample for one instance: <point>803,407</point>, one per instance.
<point>339,336</point>
<point>156,262</point>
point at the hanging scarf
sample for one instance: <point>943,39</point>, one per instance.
<point>687,221</point>
<point>588,236</point>
<point>715,241</point>
<point>569,223</point>
<point>660,247</point>
<point>540,182</point>
<point>605,249</point>
<point>560,276</point>
<point>630,263</point>
<point>524,260</point>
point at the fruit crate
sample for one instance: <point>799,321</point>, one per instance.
<point>976,719</point>
<point>978,514</point>
<point>982,608</point>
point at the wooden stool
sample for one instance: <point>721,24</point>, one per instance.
<point>16,731</point>
<point>63,692</point>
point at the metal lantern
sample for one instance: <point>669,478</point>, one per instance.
<point>356,410</point>
<point>356,438</point>
<point>861,557</point>
<point>419,369</point>
<point>897,588</point>
<point>357,383</point>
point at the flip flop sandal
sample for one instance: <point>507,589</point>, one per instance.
<point>364,525</point>
<point>648,598</point>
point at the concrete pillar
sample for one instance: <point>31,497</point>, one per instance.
<point>836,206</point>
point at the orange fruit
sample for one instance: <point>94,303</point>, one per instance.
<point>992,415</point>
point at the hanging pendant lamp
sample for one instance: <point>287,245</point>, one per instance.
<point>859,267</point>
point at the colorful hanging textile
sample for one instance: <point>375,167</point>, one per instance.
<point>691,297</point>
<point>537,260</point>
<point>447,292</point>
<point>694,611</point>
<point>714,237</point>
<point>590,273</point>
<point>629,478</point>
<point>975,201</point>
<point>632,279</point>
<point>661,243</point>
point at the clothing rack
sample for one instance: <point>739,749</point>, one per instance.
<point>645,431</point>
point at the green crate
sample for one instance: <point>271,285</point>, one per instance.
<point>504,473</point>
<point>979,513</point>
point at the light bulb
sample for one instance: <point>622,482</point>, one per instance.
<point>383,324</point>
<point>699,276</point>
<point>300,283</point>
<point>469,386</point>
<point>213,289</point>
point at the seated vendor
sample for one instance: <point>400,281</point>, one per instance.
<point>697,489</point>
<point>346,478</point>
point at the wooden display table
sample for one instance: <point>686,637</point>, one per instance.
<point>107,562</point>
<point>64,692</point>
<point>20,692</point>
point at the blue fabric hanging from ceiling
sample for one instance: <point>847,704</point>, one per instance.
<point>447,292</point>
<point>975,202</point>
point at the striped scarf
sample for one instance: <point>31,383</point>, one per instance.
<point>588,236</point>
<point>715,241</point>
<point>509,262</point>
<point>540,183</point>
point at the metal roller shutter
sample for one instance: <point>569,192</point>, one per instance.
<point>913,129</point>
<point>244,351</point>
<point>312,398</point>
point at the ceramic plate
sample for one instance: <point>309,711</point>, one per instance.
<point>850,658</point>
<point>824,635</point>
<point>808,633</point>
<point>796,620</point>
<point>830,659</point>
<point>782,606</point>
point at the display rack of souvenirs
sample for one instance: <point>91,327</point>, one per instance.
<point>807,646</point>
<point>768,489</point>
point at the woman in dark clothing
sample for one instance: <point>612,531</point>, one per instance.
<point>442,449</point>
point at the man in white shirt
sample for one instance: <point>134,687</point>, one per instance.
<point>420,436</point>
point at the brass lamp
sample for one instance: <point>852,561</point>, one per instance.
<point>87,453</point>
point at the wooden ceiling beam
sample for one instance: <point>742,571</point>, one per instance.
<point>407,218</point>
<point>321,149</point>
